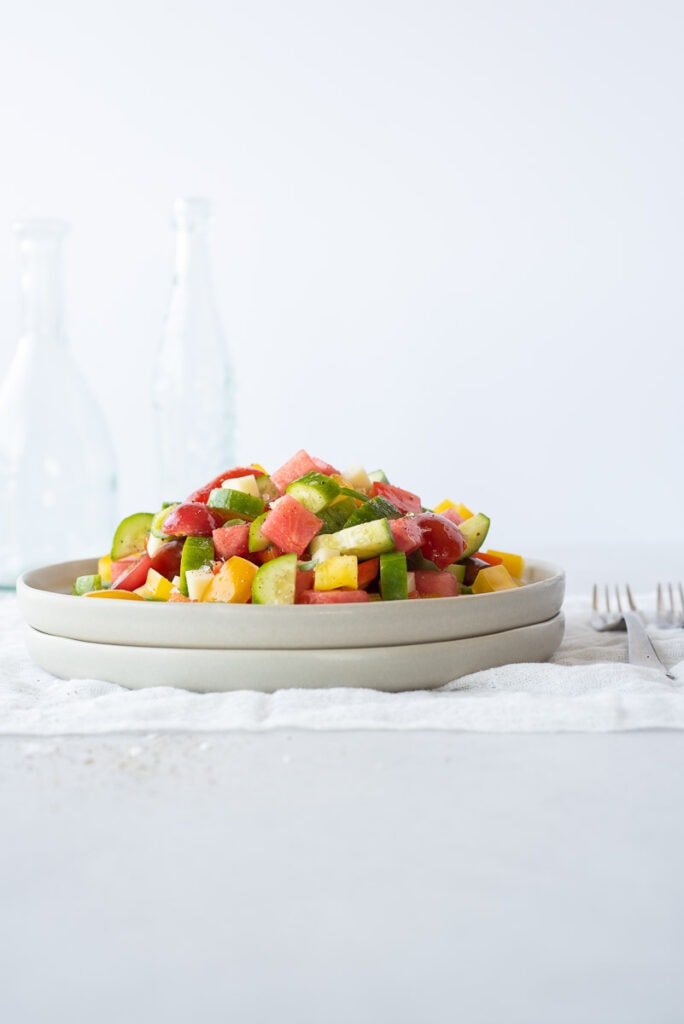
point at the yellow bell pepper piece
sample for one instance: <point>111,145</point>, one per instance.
<point>338,571</point>
<point>104,568</point>
<point>462,510</point>
<point>514,563</point>
<point>155,586</point>
<point>233,582</point>
<point>494,577</point>
<point>121,595</point>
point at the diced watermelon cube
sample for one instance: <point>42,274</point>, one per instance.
<point>405,501</point>
<point>406,533</point>
<point>367,571</point>
<point>304,580</point>
<point>325,467</point>
<point>332,597</point>
<point>438,584</point>
<point>452,514</point>
<point>300,463</point>
<point>290,526</point>
<point>231,540</point>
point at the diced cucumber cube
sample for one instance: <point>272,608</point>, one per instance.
<point>257,541</point>
<point>393,576</point>
<point>157,524</point>
<point>314,491</point>
<point>84,584</point>
<point>197,552</point>
<point>130,535</point>
<point>236,501</point>
<point>474,529</point>
<point>335,516</point>
<point>457,570</point>
<point>275,581</point>
<point>364,540</point>
<point>376,508</point>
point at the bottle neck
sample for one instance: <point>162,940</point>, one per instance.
<point>41,270</point>
<point>192,254</point>
<point>191,222</point>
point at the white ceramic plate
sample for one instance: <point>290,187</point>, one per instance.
<point>47,605</point>
<point>392,669</point>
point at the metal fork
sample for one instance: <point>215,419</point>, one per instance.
<point>640,650</point>
<point>670,611</point>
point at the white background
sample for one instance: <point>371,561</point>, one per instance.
<point>447,237</point>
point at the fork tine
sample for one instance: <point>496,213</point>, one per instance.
<point>630,597</point>
<point>677,604</point>
<point>670,605</point>
<point>617,598</point>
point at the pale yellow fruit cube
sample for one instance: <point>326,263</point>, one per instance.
<point>338,571</point>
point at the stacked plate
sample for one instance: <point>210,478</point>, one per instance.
<point>392,646</point>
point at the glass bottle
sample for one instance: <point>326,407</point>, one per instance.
<point>57,464</point>
<point>194,389</point>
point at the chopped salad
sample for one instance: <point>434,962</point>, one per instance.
<point>303,534</point>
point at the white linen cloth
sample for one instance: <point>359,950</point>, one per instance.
<point>587,686</point>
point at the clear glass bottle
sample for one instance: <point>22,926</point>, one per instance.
<point>57,465</point>
<point>194,388</point>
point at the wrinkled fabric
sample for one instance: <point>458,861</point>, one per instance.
<point>586,686</point>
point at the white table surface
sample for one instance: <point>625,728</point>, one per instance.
<point>366,877</point>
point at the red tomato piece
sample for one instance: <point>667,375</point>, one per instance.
<point>120,565</point>
<point>443,543</point>
<point>439,584</point>
<point>166,562</point>
<point>134,576</point>
<point>406,533</point>
<point>405,501</point>
<point>192,519</point>
<point>231,540</point>
<point>202,493</point>
<point>333,597</point>
<point>290,526</point>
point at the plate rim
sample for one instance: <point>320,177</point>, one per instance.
<point>406,621</point>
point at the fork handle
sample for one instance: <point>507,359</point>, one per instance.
<point>639,647</point>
